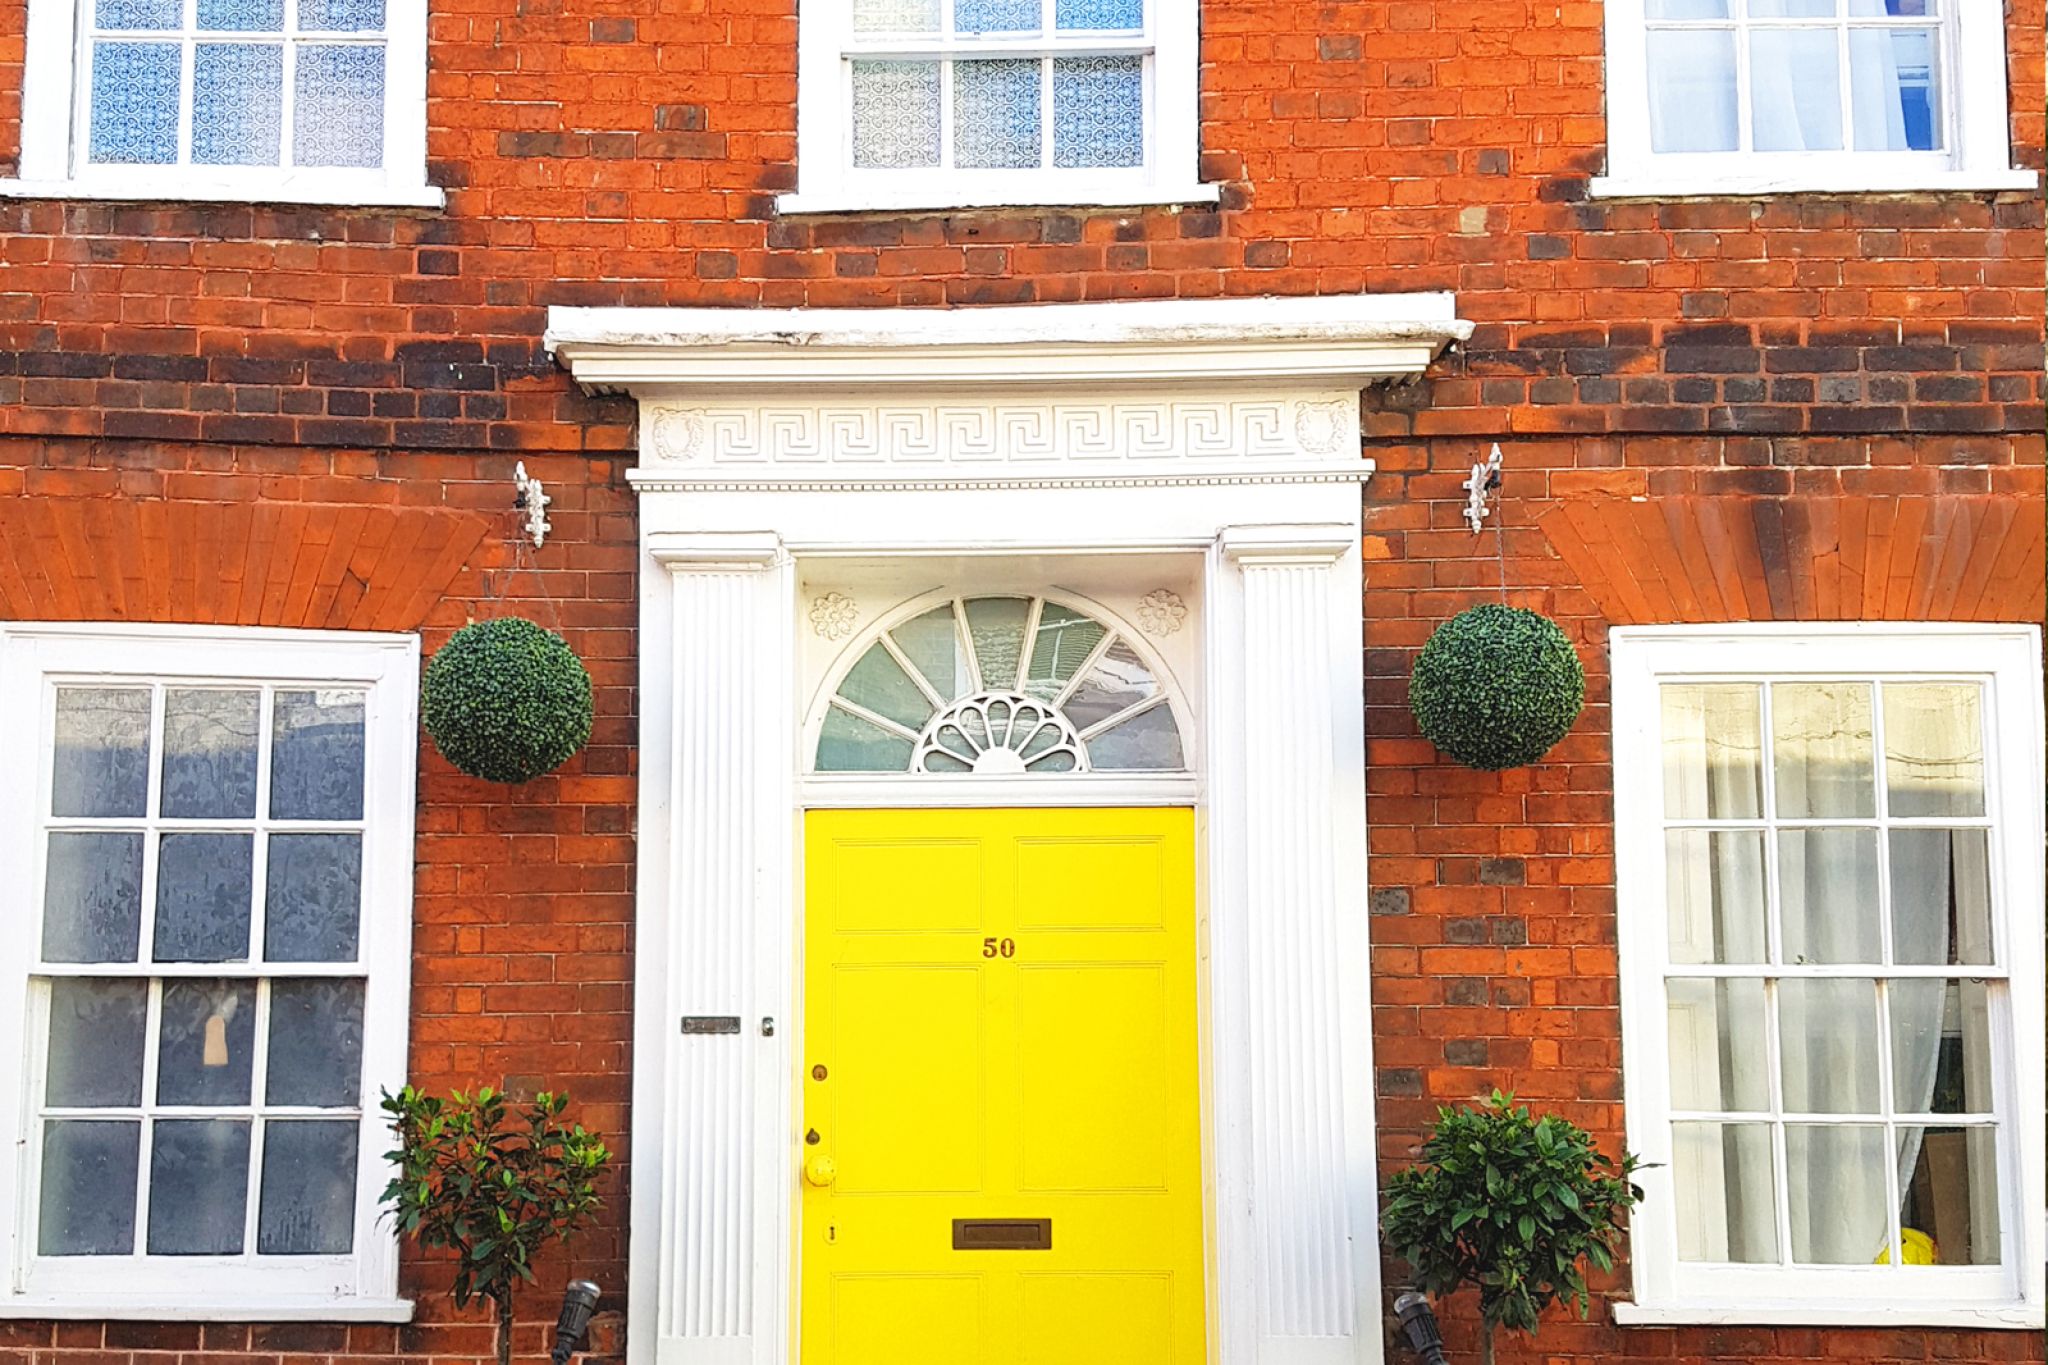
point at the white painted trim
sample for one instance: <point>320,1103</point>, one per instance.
<point>362,1286</point>
<point>129,190</point>
<point>2008,658</point>
<point>943,196</point>
<point>1976,131</point>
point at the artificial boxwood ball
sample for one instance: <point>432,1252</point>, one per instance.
<point>506,701</point>
<point>1497,686</point>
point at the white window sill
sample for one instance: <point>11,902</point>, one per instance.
<point>182,1308</point>
<point>938,200</point>
<point>1847,181</point>
<point>386,196</point>
<point>1827,1313</point>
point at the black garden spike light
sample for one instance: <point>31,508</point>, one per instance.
<point>1418,1324</point>
<point>579,1301</point>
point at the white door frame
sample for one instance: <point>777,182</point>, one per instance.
<point>1227,430</point>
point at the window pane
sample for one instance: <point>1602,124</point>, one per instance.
<point>895,114</point>
<point>316,748</point>
<point>1949,1190</point>
<point>1692,90</point>
<point>1828,895</point>
<point>995,16</point>
<point>995,114</point>
<point>895,16</point>
<point>210,736</point>
<point>138,14</point>
<point>243,16</point>
<point>96,1033</point>
<point>1149,739</point>
<point>308,1206</point>
<point>1065,640</point>
<point>334,16</point>
<point>101,765</point>
<point>1712,752</point>
<point>848,744</point>
<point>134,104</point>
<point>1791,9</point>
<point>198,1186</point>
<point>202,897</point>
<point>1836,1179</point>
<point>92,898</point>
<point>1933,749</point>
<point>338,117</point>
<point>1726,1188</point>
<point>1098,111</point>
<point>313,903</point>
<point>1099,14</point>
<point>1941,1047</point>
<point>1795,90</point>
<point>1119,680</point>
<point>1720,1053</point>
<point>1941,896</point>
<point>237,118</point>
<point>997,625</point>
<point>1827,1034</point>
<point>208,1038</point>
<point>316,1043</point>
<point>1714,895</point>
<point>88,1195</point>
<point>879,684</point>
<point>932,644</point>
<point>1820,749</point>
<point>1895,89</point>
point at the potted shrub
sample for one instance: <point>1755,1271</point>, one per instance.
<point>1497,686</point>
<point>1511,1205</point>
<point>506,700</point>
<point>490,1185</point>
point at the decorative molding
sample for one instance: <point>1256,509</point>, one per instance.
<point>1307,544</point>
<point>1208,476</point>
<point>1161,612</point>
<point>833,615</point>
<point>1325,427</point>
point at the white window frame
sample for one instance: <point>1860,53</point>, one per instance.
<point>1976,128</point>
<point>361,1286</point>
<point>56,92</point>
<point>827,180</point>
<point>2007,660</point>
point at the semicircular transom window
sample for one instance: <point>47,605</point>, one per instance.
<point>1000,686</point>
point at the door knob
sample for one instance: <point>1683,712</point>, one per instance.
<point>820,1170</point>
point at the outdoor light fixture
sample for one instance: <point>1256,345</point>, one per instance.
<point>1418,1324</point>
<point>579,1301</point>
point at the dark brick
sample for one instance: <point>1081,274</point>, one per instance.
<point>1266,255</point>
<point>1465,931</point>
<point>1712,360</point>
<point>679,118</point>
<point>1388,900</point>
<point>1501,871</point>
<point>1465,1052</point>
<point>1338,47</point>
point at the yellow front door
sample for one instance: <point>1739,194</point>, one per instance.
<point>999,1072</point>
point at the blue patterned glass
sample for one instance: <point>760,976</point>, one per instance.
<point>341,16</point>
<point>895,114</point>
<point>241,16</point>
<point>237,115</point>
<point>995,16</point>
<point>1098,111</point>
<point>895,16</point>
<point>134,104</point>
<point>1099,14</point>
<point>995,114</point>
<point>120,14</point>
<point>339,116</point>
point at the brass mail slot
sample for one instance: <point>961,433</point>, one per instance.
<point>1002,1234</point>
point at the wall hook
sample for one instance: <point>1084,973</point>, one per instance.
<point>1485,479</point>
<point>533,500</point>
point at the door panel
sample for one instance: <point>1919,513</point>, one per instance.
<point>1001,1025</point>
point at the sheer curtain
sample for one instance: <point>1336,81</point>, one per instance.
<point>1795,88</point>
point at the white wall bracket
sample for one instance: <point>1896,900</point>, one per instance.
<point>1485,480</point>
<point>532,500</point>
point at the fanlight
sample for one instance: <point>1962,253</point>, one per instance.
<point>999,685</point>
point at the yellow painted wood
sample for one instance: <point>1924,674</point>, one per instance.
<point>1003,1002</point>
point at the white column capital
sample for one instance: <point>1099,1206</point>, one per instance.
<point>1311,543</point>
<point>715,551</point>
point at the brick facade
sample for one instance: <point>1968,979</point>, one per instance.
<point>1807,407</point>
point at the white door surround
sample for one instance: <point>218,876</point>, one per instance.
<point>1211,442</point>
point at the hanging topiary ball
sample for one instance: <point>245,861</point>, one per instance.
<point>506,700</point>
<point>1497,686</point>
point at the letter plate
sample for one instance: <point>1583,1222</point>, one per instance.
<point>1002,1234</point>
<point>711,1023</point>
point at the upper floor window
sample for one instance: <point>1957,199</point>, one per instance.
<point>1829,850</point>
<point>937,103</point>
<point>319,101</point>
<point>1754,95</point>
<point>212,832</point>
